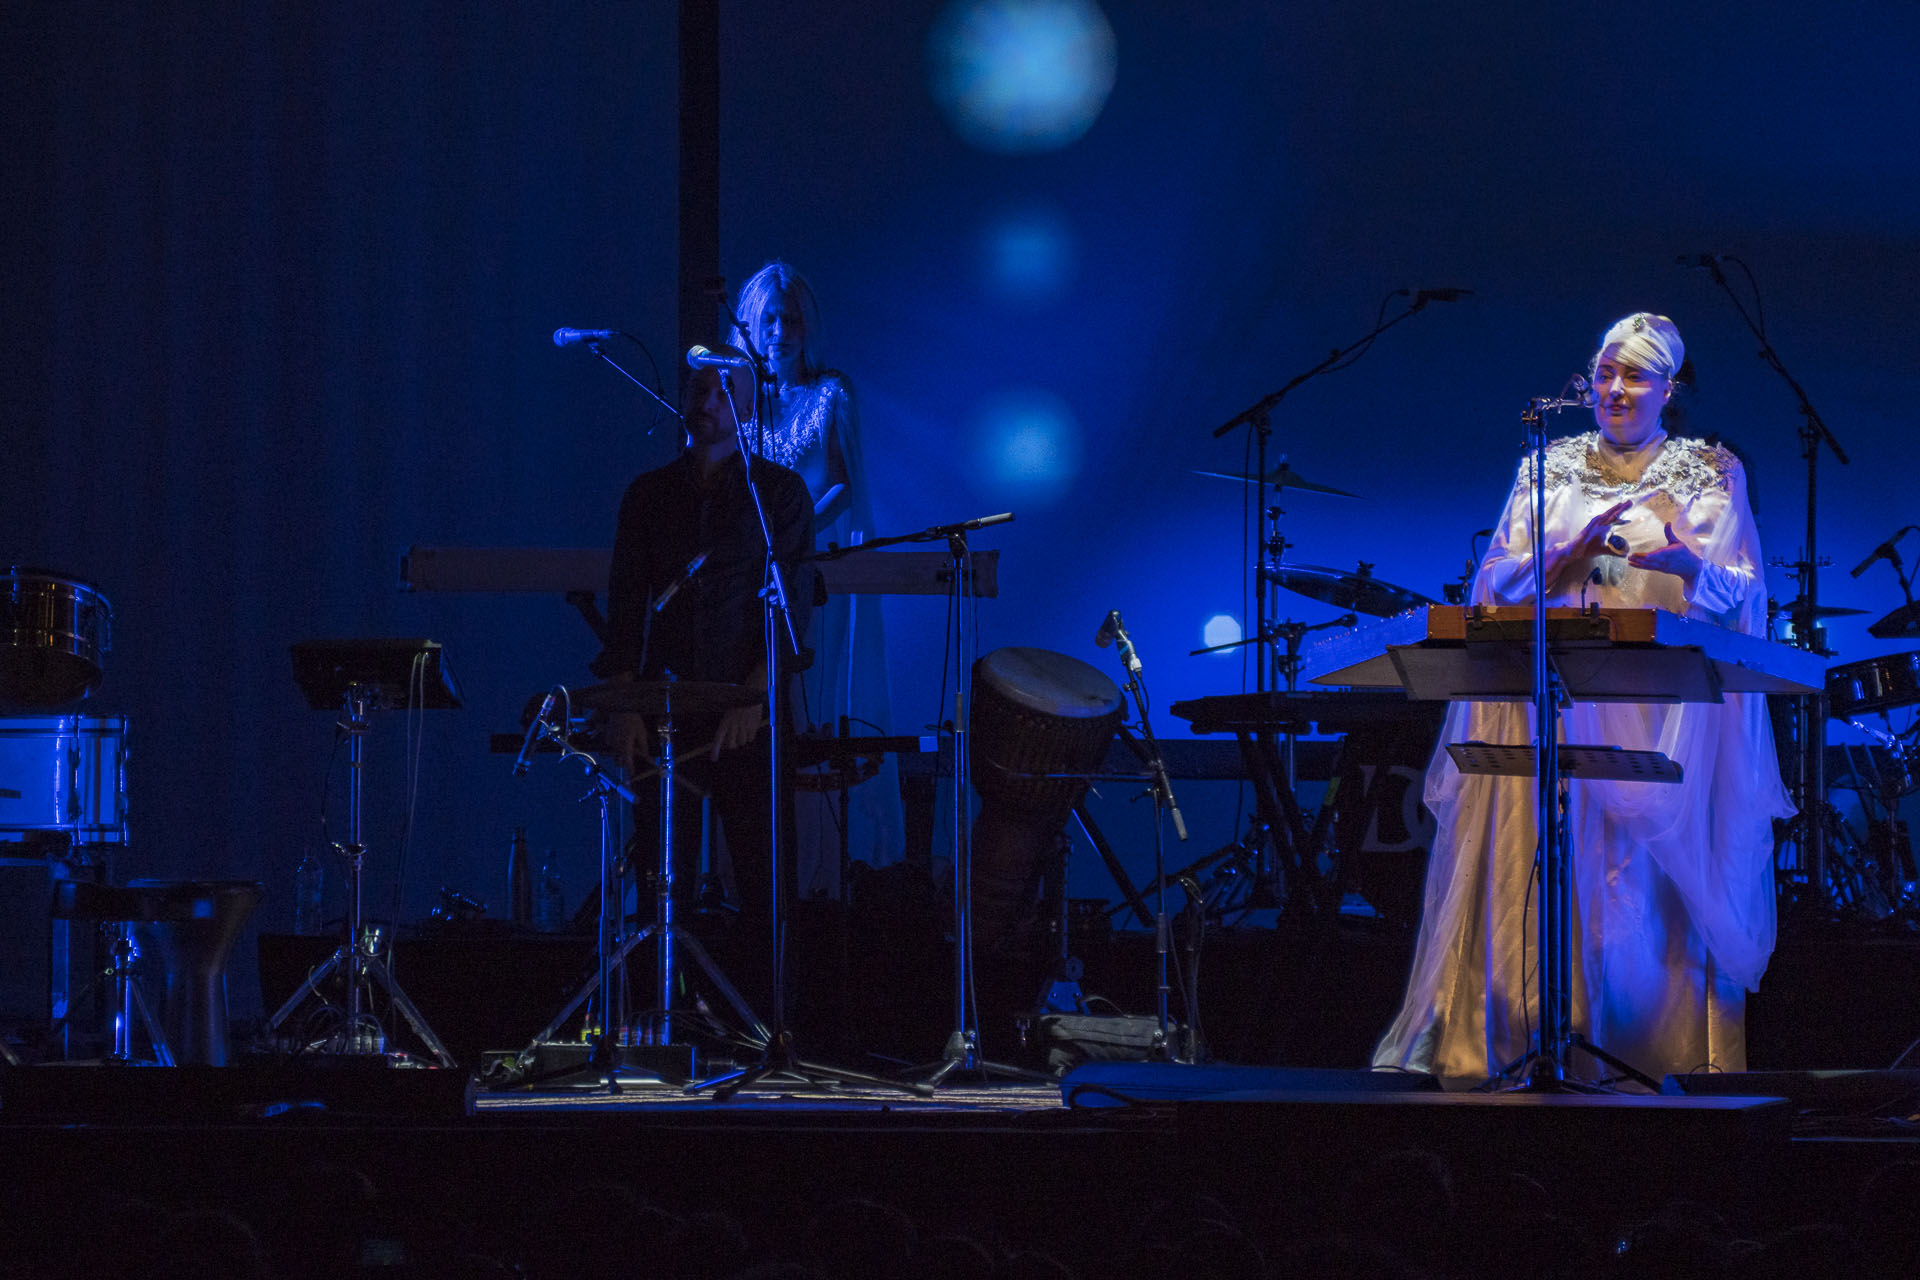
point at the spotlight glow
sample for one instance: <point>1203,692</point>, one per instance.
<point>1021,76</point>
<point>1221,628</point>
<point>1029,445</point>
<point>1028,255</point>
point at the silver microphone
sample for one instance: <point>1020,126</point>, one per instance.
<point>533,733</point>
<point>567,337</point>
<point>702,358</point>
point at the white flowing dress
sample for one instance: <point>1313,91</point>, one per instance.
<point>1673,884</point>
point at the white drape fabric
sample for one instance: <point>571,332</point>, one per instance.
<point>1673,887</point>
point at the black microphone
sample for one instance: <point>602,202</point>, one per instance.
<point>686,576</point>
<point>1440,295</point>
<point>533,733</point>
<point>1113,631</point>
<point>567,337</point>
<point>1885,551</point>
<point>1699,261</point>
<point>701,358</point>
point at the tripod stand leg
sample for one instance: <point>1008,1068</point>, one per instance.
<point>307,988</point>
<point>378,972</point>
<point>155,1036</point>
<point>755,1027</point>
<point>591,985</point>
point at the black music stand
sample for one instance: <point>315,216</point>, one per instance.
<point>1504,666</point>
<point>360,676</point>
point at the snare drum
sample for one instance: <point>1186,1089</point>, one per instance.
<point>1873,684</point>
<point>54,634</point>
<point>71,773</point>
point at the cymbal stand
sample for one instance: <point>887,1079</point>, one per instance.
<point>1809,835</point>
<point>1256,417</point>
<point>358,958</point>
<point>780,642</point>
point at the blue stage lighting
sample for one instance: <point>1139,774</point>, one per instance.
<point>1030,446</point>
<point>1029,255</point>
<point>1221,628</point>
<point>1020,76</point>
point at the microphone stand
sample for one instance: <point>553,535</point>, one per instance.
<point>777,1054</point>
<point>1808,827</point>
<point>1257,418</point>
<point>599,349</point>
<point>1161,787</point>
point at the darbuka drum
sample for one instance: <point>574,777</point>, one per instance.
<point>71,773</point>
<point>1035,712</point>
<point>1873,684</point>
<point>54,634</point>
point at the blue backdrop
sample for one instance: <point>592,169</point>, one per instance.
<point>280,282</point>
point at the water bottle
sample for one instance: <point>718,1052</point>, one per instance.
<point>309,879</point>
<point>549,907</point>
<point>519,879</point>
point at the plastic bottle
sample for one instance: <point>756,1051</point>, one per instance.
<point>309,881</point>
<point>519,879</point>
<point>549,904</point>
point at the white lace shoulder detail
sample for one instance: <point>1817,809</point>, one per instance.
<point>803,425</point>
<point>1685,469</point>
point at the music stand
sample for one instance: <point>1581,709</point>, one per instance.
<point>359,676</point>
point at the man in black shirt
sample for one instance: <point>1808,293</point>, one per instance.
<point>709,629</point>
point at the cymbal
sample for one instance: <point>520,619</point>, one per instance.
<point>1281,477</point>
<point>1359,590</point>
<point>666,697</point>
<point>1791,607</point>
<point>1902,624</point>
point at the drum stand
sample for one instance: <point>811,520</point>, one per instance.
<point>357,958</point>
<point>656,1048</point>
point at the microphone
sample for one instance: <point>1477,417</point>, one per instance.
<point>533,733</point>
<point>1699,261</point>
<point>701,358</point>
<point>1885,551</point>
<point>1421,296</point>
<point>1584,389</point>
<point>567,337</point>
<point>686,576</point>
<point>1113,631</point>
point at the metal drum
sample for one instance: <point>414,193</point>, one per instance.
<point>1038,712</point>
<point>55,631</point>
<point>1873,684</point>
<point>71,773</point>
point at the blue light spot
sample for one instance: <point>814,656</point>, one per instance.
<point>1029,255</point>
<point>1221,628</point>
<point>1029,444</point>
<point>1020,76</point>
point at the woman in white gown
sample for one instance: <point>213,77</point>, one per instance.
<point>1673,913</point>
<point>815,431</point>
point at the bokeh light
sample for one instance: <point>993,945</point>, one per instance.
<point>1021,76</point>
<point>1029,445</point>
<point>1221,628</point>
<point>1027,254</point>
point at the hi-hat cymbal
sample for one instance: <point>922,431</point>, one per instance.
<point>1359,590</point>
<point>1281,477</point>
<point>666,697</point>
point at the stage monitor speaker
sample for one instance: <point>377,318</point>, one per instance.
<point>1855,1092</point>
<point>1115,1084</point>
